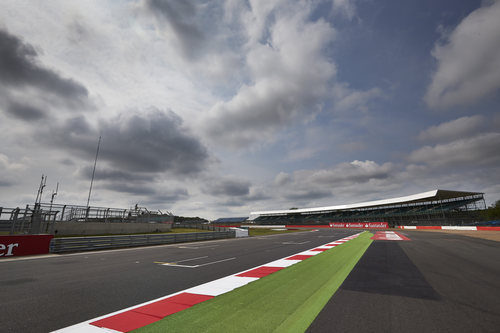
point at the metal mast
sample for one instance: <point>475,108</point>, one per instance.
<point>93,172</point>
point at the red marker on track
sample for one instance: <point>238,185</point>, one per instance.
<point>389,235</point>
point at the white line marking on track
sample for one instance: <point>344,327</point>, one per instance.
<point>216,287</point>
<point>192,259</point>
<point>295,243</point>
<point>175,264</point>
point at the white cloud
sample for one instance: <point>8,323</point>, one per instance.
<point>235,73</point>
<point>7,164</point>
<point>288,77</point>
<point>282,178</point>
<point>308,186</point>
<point>468,62</point>
<point>452,130</point>
<point>345,7</point>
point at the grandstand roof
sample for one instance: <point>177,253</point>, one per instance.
<point>434,195</point>
<point>231,219</point>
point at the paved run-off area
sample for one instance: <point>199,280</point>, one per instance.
<point>437,282</point>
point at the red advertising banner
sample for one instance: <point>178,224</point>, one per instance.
<point>23,245</point>
<point>376,225</point>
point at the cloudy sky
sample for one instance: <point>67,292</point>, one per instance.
<point>219,108</point>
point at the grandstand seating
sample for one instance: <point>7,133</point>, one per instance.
<point>442,212</point>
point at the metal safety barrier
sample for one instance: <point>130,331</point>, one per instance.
<point>77,244</point>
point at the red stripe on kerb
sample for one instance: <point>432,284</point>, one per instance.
<point>126,321</point>
<point>299,257</point>
<point>319,250</point>
<point>148,314</point>
<point>161,309</point>
<point>260,272</point>
<point>189,299</point>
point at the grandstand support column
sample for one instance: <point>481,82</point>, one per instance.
<point>442,210</point>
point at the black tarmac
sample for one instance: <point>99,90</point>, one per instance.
<point>45,294</point>
<point>436,282</point>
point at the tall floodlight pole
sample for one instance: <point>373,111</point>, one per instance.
<point>54,193</point>
<point>93,173</point>
<point>40,190</point>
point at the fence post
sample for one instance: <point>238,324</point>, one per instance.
<point>13,218</point>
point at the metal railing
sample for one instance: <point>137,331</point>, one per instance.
<point>15,220</point>
<point>77,244</point>
<point>209,227</point>
<point>31,218</point>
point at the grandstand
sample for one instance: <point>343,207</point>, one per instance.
<point>437,207</point>
<point>230,220</point>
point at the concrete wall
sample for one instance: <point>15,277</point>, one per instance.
<point>101,228</point>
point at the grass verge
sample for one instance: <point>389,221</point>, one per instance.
<point>286,301</point>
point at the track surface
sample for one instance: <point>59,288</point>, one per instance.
<point>41,295</point>
<point>434,283</point>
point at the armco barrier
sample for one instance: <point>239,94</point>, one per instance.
<point>76,244</point>
<point>23,245</point>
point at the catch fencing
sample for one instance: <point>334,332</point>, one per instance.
<point>41,217</point>
<point>77,244</point>
<point>209,227</point>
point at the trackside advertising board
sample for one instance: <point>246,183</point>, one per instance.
<point>23,245</point>
<point>375,225</point>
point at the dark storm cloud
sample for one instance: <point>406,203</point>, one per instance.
<point>308,194</point>
<point>114,175</point>
<point>227,187</point>
<point>19,69</point>
<point>5,183</point>
<point>170,196</point>
<point>258,195</point>
<point>67,161</point>
<point>130,188</point>
<point>24,111</point>
<point>151,142</point>
<point>232,203</point>
<point>182,17</point>
<point>135,183</point>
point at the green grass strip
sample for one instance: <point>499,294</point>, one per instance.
<point>286,301</point>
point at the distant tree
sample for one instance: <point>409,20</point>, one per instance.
<point>492,212</point>
<point>293,208</point>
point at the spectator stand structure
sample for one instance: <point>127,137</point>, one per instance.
<point>437,207</point>
<point>230,221</point>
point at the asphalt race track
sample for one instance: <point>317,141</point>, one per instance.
<point>41,295</point>
<point>436,282</point>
